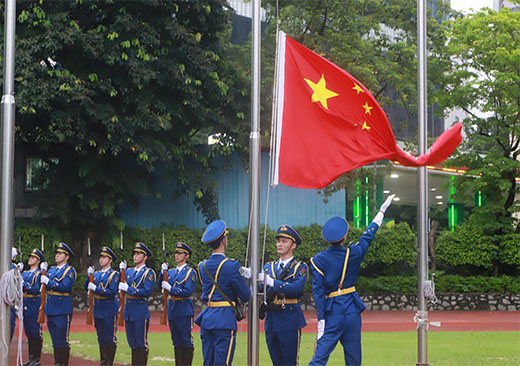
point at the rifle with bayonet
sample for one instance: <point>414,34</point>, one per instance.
<point>41,311</point>
<point>122,278</point>
<point>164,314</point>
<point>90,310</point>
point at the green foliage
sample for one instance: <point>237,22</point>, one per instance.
<point>443,284</point>
<point>392,251</point>
<point>466,246</point>
<point>486,79</point>
<point>107,91</point>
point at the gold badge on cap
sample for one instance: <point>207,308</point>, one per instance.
<point>283,228</point>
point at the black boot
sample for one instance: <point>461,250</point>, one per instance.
<point>188,356</point>
<point>37,351</point>
<point>30,346</point>
<point>178,357</point>
<point>110,353</point>
<point>61,356</point>
<point>140,358</point>
<point>102,355</point>
<point>57,356</point>
<point>66,354</point>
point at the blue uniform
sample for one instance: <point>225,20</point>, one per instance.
<point>137,315</point>
<point>58,307</point>
<point>217,321</point>
<point>106,305</point>
<point>180,305</point>
<point>283,328</point>
<point>31,303</point>
<point>337,301</point>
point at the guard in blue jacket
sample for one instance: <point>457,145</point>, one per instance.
<point>217,322</point>
<point>334,274</point>
<point>58,308</point>
<point>139,285</point>
<point>285,280</point>
<point>106,304</point>
<point>31,306</point>
<point>180,285</point>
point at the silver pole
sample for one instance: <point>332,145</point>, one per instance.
<point>422,199</point>
<point>6,214</point>
<point>254,184</point>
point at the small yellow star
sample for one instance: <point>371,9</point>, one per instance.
<point>358,88</point>
<point>321,93</point>
<point>365,126</point>
<point>367,108</point>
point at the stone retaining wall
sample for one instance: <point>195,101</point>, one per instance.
<point>485,302</point>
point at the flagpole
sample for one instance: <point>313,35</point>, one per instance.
<point>6,213</point>
<point>422,191</point>
<point>254,186</point>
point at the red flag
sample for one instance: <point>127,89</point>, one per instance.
<point>328,123</point>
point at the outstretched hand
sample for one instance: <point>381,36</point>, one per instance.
<point>387,203</point>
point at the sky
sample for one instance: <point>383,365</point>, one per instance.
<point>465,5</point>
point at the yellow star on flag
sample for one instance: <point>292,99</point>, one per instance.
<point>321,93</point>
<point>367,108</point>
<point>358,88</point>
<point>365,126</point>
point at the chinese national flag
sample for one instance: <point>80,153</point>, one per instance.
<point>328,123</point>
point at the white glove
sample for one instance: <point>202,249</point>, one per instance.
<point>246,272</point>
<point>164,267</point>
<point>90,270</point>
<point>261,277</point>
<point>165,285</point>
<point>91,286</point>
<point>44,279</point>
<point>122,265</point>
<point>44,266</point>
<point>381,214</point>
<point>321,328</point>
<point>14,253</point>
<point>387,203</point>
<point>123,286</point>
<point>20,266</point>
<point>266,278</point>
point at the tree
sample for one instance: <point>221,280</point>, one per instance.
<point>110,91</point>
<point>483,79</point>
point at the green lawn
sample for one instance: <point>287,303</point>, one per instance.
<point>444,349</point>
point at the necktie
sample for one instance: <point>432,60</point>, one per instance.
<point>281,269</point>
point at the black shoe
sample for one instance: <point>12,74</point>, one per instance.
<point>178,357</point>
<point>102,355</point>
<point>139,357</point>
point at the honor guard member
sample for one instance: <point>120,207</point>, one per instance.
<point>139,285</point>
<point>180,285</point>
<point>334,274</point>
<point>31,305</point>
<point>58,308</point>
<point>284,318</point>
<point>106,304</point>
<point>217,322</point>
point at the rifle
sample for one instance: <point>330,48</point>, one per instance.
<point>20,250</point>
<point>164,315</point>
<point>90,309</point>
<point>41,311</point>
<point>122,278</point>
<point>268,300</point>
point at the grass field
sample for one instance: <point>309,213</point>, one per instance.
<point>379,348</point>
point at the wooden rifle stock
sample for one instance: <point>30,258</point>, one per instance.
<point>90,311</point>
<point>41,311</point>
<point>164,314</point>
<point>121,312</point>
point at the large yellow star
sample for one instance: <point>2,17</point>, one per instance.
<point>321,93</point>
<point>358,88</point>
<point>367,108</point>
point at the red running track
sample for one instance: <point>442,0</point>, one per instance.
<point>373,321</point>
